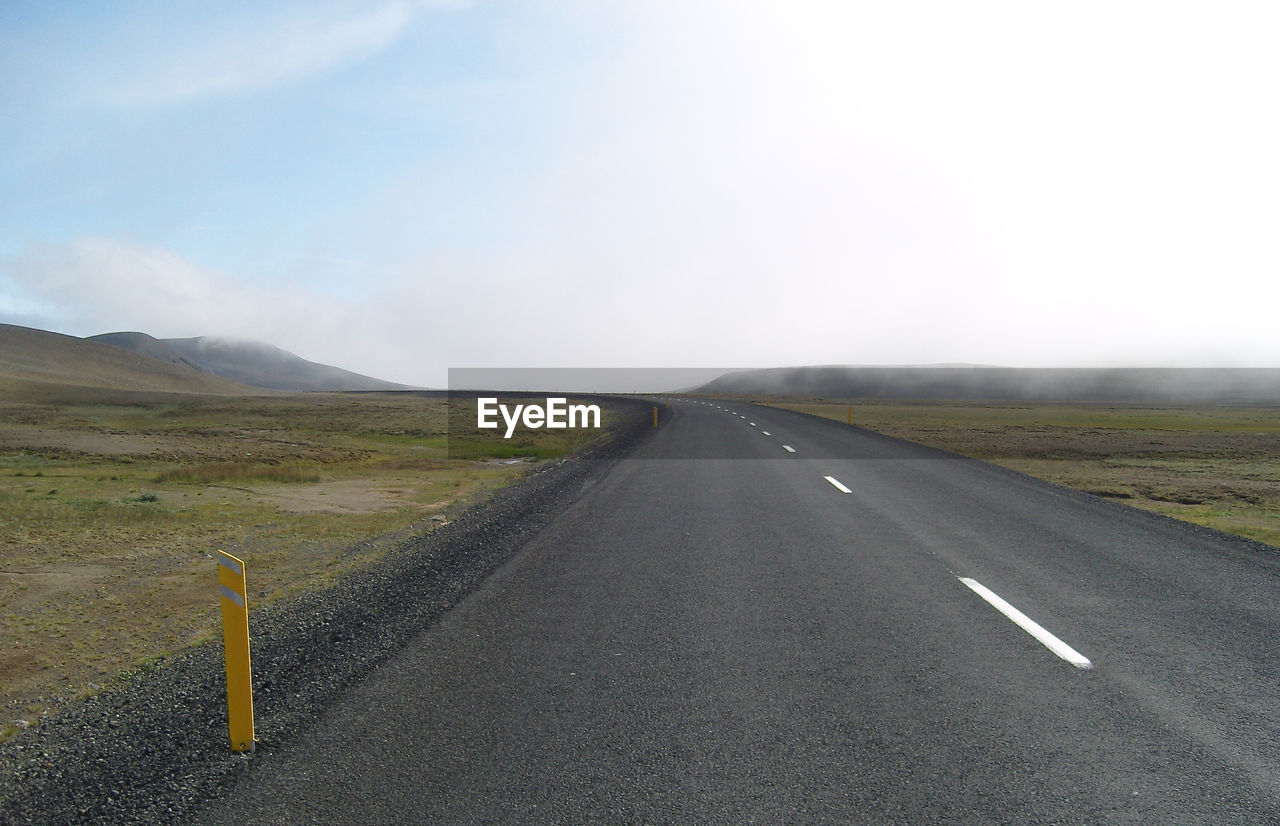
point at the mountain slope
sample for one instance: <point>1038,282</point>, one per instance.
<point>30,357</point>
<point>250,362</point>
<point>146,345</point>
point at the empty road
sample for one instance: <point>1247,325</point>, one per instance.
<point>762,617</point>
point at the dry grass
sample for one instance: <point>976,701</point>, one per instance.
<point>113,504</point>
<point>226,472</point>
<point>1217,466</point>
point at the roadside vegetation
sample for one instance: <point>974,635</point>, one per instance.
<point>114,503</point>
<point>1217,466</point>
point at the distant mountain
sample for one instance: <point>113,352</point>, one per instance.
<point>148,346</point>
<point>37,360</point>
<point>250,362</point>
<point>972,383</point>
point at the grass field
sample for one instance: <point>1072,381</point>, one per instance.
<point>1217,466</point>
<point>113,504</point>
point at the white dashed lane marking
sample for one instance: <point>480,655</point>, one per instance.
<point>1024,622</point>
<point>835,483</point>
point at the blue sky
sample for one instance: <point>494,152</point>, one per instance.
<point>402,187</point>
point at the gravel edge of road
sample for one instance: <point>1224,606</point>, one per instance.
<point>156,747</point>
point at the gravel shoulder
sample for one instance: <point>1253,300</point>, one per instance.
<point>155,747</point>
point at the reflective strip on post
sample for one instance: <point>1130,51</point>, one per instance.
<point>235,638</point>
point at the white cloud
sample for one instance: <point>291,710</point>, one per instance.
<point>98,282</point>
<point>394,329</point>
<point>996,182</point>
<point>751,184</point>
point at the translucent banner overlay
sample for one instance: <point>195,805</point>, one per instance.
<point>622,380</point>
<point>519,414</point>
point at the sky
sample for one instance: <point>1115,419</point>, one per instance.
<point>400,188</point>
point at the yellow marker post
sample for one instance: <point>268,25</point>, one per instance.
<point>235,637</point>
<point>850,414</point>
<point>655,415</point>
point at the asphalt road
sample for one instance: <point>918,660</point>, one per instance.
<point>716,632</point>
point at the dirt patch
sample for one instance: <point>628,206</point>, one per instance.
<point>77,441</point>
<point>42,583</point>
<point>349,496</point>
<point>70,626</point>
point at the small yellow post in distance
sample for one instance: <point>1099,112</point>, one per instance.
<point>655,415</point>
<point>235,637</point>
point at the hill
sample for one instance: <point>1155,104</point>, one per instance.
<point>146,345</point>
<point>32,359</point>
<point>967,383</point>
<point>250,362</point>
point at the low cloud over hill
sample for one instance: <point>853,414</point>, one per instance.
<point>32,360</point>
<point>250,362</point>
<point>1007,383</point>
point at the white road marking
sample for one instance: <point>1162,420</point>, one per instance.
<point>765,432</point>
<point>753,424</point>
<point>1027,624</point>
<point>789,448</point>
<point>836,484</point>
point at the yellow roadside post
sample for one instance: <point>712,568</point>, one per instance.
<point>235,637</point>
<point>655,415</point>
<point>850,414</point>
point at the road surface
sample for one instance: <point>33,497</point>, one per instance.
<point>762,617</point>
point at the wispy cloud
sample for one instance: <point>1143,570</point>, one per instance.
<point>256,49</point>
